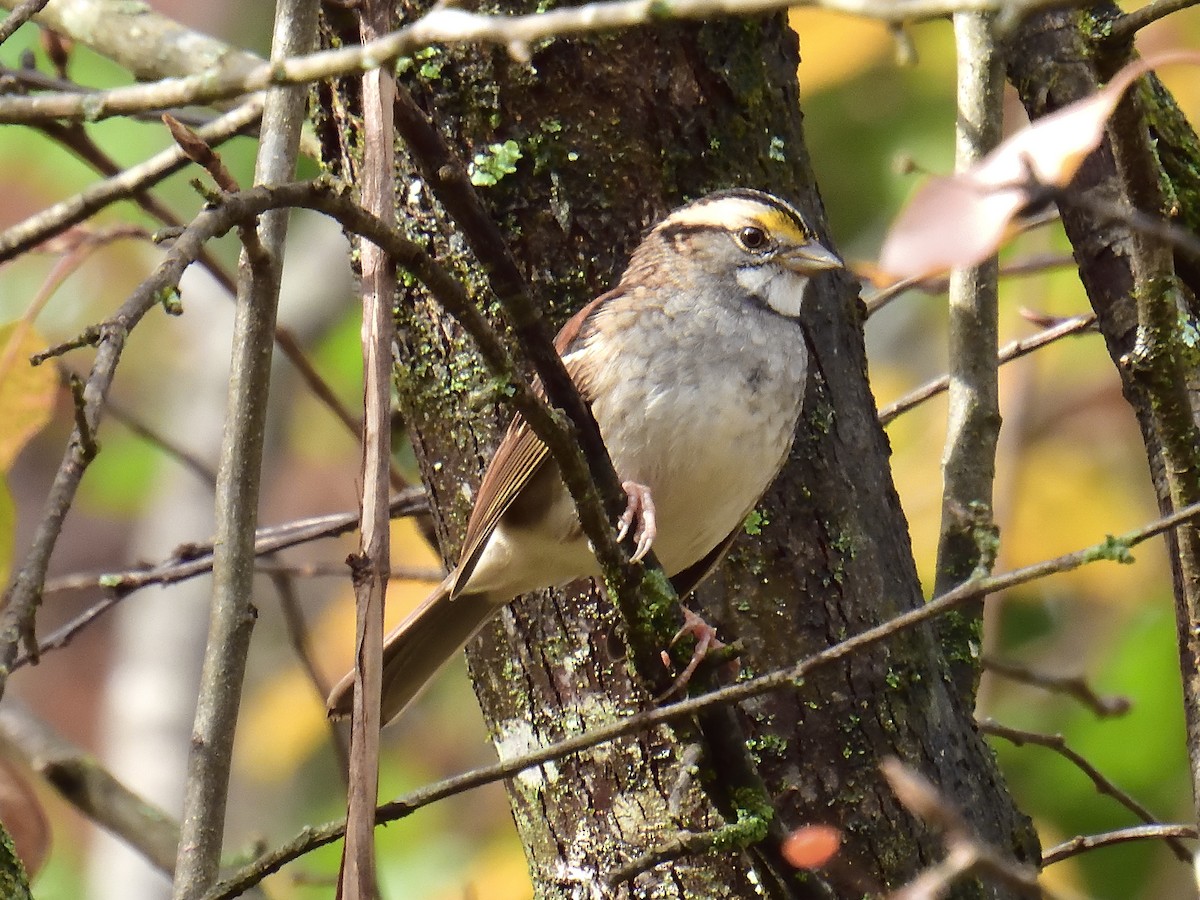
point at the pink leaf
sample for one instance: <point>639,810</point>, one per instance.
<point>961,220</point>
<point>811,846</point>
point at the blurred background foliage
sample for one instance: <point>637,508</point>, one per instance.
<point>1071,469</point>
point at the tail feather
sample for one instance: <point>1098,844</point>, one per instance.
<point>417,648</point>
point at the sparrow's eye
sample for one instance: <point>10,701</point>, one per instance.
<point>752,238</point>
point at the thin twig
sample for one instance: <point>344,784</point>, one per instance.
<point>76,139</point>
<point>137,38</point>
<point>1058,744</point>
<point>1032,265</point>
<point>1077,687</point>
<point>453,25</point>
<point>21,598</point>
<point>1125,27</point>
<point>1014,350</point>
<point>41,81</point>
<point>152,436</point>
<point>21,14</point>
<point>357,879</point>
<point>129,183</point>
<point>239,473</point>
<point>1086,842</point>
<point>338,570</point>
<point>784,679</point>
<point>196,559</point>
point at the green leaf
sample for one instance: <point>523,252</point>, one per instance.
<point>498,160</point>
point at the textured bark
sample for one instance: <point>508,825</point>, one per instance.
<point>615,131</point>
<point>1144,295</point>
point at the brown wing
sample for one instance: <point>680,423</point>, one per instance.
<point>519,457</point>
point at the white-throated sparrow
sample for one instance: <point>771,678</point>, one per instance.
<point>695,368</point>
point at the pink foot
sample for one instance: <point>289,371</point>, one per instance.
<point>706,640</point>
<point>641,508</point>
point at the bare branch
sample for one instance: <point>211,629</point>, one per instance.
<point>21,13</point>
<point>162,47</point>
<point>1033,265</point>
<point>128,184</point>
<point>84,783</point>
<point>966,854</point>
<point>357,879</point>
<point>1076,687</point>
<point>196,559</point>
<point>1015,350</point>
<point>1058,744</point>
<point>1083,843</point>
<point>76,139</point>
<point>967,538</point>
<point>239,472</point>
<point>38,80</point>
<point>1129,24</point>
<point>23,595</point>
<point>167,445</point>
<point>451,25</point>
<point>297,632</point>
<point>785,679</point>
<point>338,570</point>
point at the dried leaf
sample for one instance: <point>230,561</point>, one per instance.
<point>961,220</point>
<point>26,392</point>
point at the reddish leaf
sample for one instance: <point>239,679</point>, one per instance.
<point>23,818</point>
<point>812,846</point>
<point>961,220</point>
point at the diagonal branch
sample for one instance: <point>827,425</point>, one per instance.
<point>784,679</point>
<point>84,783</point>
<point>1058,744</point>
<point>196,559</point>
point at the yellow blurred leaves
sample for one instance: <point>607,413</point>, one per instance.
<point>284,720</point>
<point>26,392</point>
<point>1072,476</point>
<point>835,48</point>
<point>26,401</point>
<point>496,874</point>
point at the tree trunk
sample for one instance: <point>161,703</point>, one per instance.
<point>614,131</point>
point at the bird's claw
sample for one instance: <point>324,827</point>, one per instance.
<point>640,506</point>
<point>706,641</point>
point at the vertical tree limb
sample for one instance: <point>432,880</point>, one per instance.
<point>1143,295</point>
<point>233,612</point>
<point>967,540</point>
<point>371,565</point>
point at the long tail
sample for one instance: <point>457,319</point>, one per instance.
<point>417,648</point>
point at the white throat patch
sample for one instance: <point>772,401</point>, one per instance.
<point>780,288</point>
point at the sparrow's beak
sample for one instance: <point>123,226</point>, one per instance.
<point>810,258</point>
